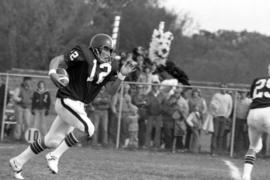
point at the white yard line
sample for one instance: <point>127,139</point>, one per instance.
<point>234,170</point>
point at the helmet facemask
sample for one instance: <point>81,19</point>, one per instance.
<point>104,54</point>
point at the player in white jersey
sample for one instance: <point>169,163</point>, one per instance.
<point>258,121</point>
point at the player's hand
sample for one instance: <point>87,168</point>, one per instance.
<point>56,81</point>
<point>128,67</point>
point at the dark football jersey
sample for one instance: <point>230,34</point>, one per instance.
<point>86,75</point>
<point>260,93</point>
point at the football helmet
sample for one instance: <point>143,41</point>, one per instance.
<point>102,46</point>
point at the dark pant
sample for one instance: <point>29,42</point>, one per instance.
<point>112,129</point>
<point>241,135</point>
<point>195,144</point>
<point>142,131</point>
<point>218,139</point>
<point>188,136</point>
<point>168,132</point>
<point>153,122</point>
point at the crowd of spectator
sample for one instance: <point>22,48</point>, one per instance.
<point>158,116</point>
<point>153,115</point>
<point>31,106</point>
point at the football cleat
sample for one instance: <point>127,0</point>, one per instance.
<point>17,168</point>
<point>52,162</point>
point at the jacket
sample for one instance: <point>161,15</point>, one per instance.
<point>41,100</point>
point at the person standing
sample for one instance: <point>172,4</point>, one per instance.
<point>194,120</point>
<point>221,108</point>
<point>196,103</point>
<point>22,97</point>
<point>41,106</point>
<point>101,105</point>
<point>154,120</point>
<point>241,136</point>
<point>127,108</point>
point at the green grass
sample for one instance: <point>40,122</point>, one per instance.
<point>111,164</point>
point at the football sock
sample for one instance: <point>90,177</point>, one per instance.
<point>248,166</point>
<point>32,150</point>
<point>69,141</point>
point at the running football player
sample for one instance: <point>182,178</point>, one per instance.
<point>89,69</point>
<point>258,121</point>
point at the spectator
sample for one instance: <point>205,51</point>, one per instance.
<point>221,108</point>
<point>40,106</point>
<point>23,101</point>
<point>195,101</point>
<point>180,128</point>
<point>134,76</point>
<point>101,105</point>
<point>194,120</point>
<point>127,107</point>
<point>241,135</point>
<point>146,77</point>
<point>168,103</point>
<point>139,100</point>
<point>154,120</point>
<point>133,128</point>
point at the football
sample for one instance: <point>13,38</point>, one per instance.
<point>63,76</point>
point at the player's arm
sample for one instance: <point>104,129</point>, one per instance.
<point>252,88</point>
<point>54,64</point>
<point>127,68</point>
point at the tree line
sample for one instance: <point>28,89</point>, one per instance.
<point>34,31</point>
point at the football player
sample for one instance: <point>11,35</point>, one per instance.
<point>89,69</point>
<point>258,121</point>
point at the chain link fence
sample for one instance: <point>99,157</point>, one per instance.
<point>143,126</point>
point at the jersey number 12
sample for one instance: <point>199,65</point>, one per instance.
<point>101,76</point>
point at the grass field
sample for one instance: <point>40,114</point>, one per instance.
<point>111,164</point>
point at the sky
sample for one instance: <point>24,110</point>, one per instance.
<point>237,15</point>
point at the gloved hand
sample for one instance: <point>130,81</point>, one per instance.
<point>128,67</point>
